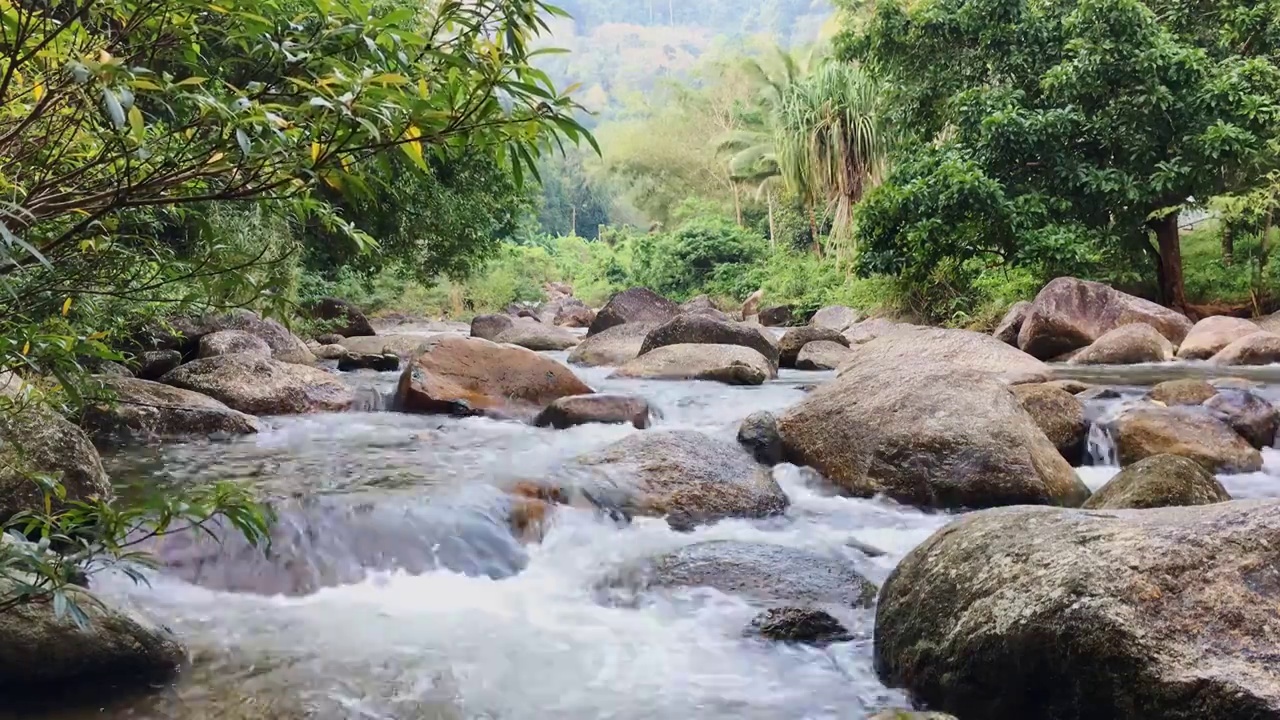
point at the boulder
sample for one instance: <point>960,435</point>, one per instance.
<point>823,355</point>
<point>776,316</point>
<point>343,316</point>
<point>612,347</point>
<point>144,412</point>
<point>407,346</point>
<point>763,572</point>
<point>1126,345</point>
<point>1159,481</point>
<point>1017,613</point>
<point>1189,432</point>
<point>1075,387</point>
<point>835,317</point>
<point>285,346</point>
<point>927,433</point>
<point>329,352</point>
<point>329,339</point>
<point>1009,327</point>
<point>457,375</point>
<point>152,364</point>
<point>730,364</point>
<point>384,362</point>
<point>557,291</point>
<point>262,386</point>
<point>488,327</point>
<point>705,330</point>
<point>751,306</point>
<point>1260,348</point>
<point>632,306</point>
<point>758,433</point>
<point>1187,391</point>
<point>796,338</point>
<point>537,336</point>
<point>702,305</point>
<point>1059,415</point>
<point>872,328</point>
<point>1255,419</point>
<point>225,342</point>
<point>909,345</point>
<point>36,439</point>
<point>800,625</point>
<point>1211,334</point>
<point>115,651</point>
<point>1069,313</point>
<point>686,476</point>
<point>572,312</point>
<point>597,408</point>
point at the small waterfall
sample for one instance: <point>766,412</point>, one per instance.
<point>1101,445</point>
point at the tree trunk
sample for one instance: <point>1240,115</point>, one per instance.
<point>737,204</point>
<point>1264,243</point>
<point>1228,244</point>
<point>813,232</point>
<point>1169,270</point>
<point>573,222</point>
<point>773,230</point>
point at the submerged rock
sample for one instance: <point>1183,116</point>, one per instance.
<point>705,330</point>
<point>261,386</point>
<point>634,305</point>
<point>39,440</point>
<point>1009,327</point>
<point>1211,334</point>
<point>148,412</point>
<point>1069,313</point>
<point>802,625</point>
<point>599,408</point>
<point>686,476</point>
<point>226,342</point>
<point>1191,433</point>
<point>1059,414</point>
<point>1159,481</point>
<point>730,364</point>
<point>612,347</point>
<point>537,336</point>
<point>794,340</point>
<point>1188,391</point>
<point>823,355</point>
<point>758,433</point>
<point>1126,345</point>
<point>1260,348</point>
<point>1023,613</point>
<point>457,375</point>
<point>1255,419</point>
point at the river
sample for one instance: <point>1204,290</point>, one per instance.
<point>394,590</point>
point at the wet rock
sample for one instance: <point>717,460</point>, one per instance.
<point>344,317</point>
<point>872,328</point>
<point>488,327</point>
<point>1009,327</point>
<point>763,572</point>
<point>776,316</point>
<point>407,346</point>
<point>225,342</point>
<point>1260,348</point>
<point>702,305</point>
<point>758,433</point>
<point>152,364</point>
<point>823,355</point>
<point>686,476</point>
<point>835,317</point>
<point>751,306</point>
<point>1254,418</point>
<point>1159,481</point>
<point>116,651</point>
<point>285,346</point>
<point>926,433</point>
<point>631,306</point>
<point>145,412</point>
<point>385,362</point>
<point>1211,334</point>
<point>1075,387</point>
<point>598,408</point>
<point>330,339</point>
<point>329,352</point>
<point>1099,393</point>
<point>612,347</point>
<point>795,339</point>
<point>1126,345</point>
<point>537,336</point>
<point>1188,432</point>
<point>457,375</point>
<point>801,625</point>
<point>1188,391</point>
<point>39,440</point>
<point>729,364</point>
<point>1069,313</point>
<point>1169,613</point>
<point>706,330</point>
<point>1059,415</point>
<point>262,386</point>
<point>909,346</point>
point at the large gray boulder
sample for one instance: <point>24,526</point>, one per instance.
<point>145,412</point>
<point>36,439</point>
<point>226,342</point>
<point>153,364</point>
<point>699,329</point>
<point>927,433</point>
<point>1159,481</point>
<point>1260,348</point>
<point>822,355</point>
<point>835,317</point>
<point>634,305</point>
<point>285,346</point>
<point>702,305</point>
<point>1059,415</point>
<point>1069,313</point>
<point>794,340</point>
<point>534,335</point>
<point>1020,613</point>
<point>261,386</point>
<point>686,476</point>
<point>1212,334</point>
<point>872,328</point>
<point>488,327</point>
<point>344,317</point>
<point>1009,327</point>
<point>603,408</point>
<point>1186,431</point>
<point>1255,419</point>
<point>612,347</point>
<point>405,345</point>
<point>1186,391</point>
<point>729,364</point>
<point>1126,345</point>
<point>912,345</point>
<point>758,433</point>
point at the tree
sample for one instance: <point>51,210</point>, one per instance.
<point>1085,121</point>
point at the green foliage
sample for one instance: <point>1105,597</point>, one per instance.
<point>703,255</point>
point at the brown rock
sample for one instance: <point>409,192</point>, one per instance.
<point>261,386</point>
<point>910,345</point>
<point>329,352</point>
<point>796,338</point>
<point>730,364</point>
<point>1058,414</point>
<point>35,439</point>
<point>598,408</point>
<point>537,336</point>
<point>1126,345</point>
<point>1009,327</point>
<point>634,305</point>
<point>469,376</point>
<point>146,412</point>
<point>571,312</point>
<point>823,355</point>
<point>1159,481</point>
<point>225,342</point>
<point>1212,334</point>
<point>1189,432</point>
<point>345,317</point>
<point>698,329</point>
<point>488,327</point>
<point>1260,348</point>
<point>612,347</point>
<point>1187,391</point>
<point>776,316</point>
<point>751,306</point>
<point>1069,313</point>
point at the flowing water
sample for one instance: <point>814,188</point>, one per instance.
<point>394,589</point>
